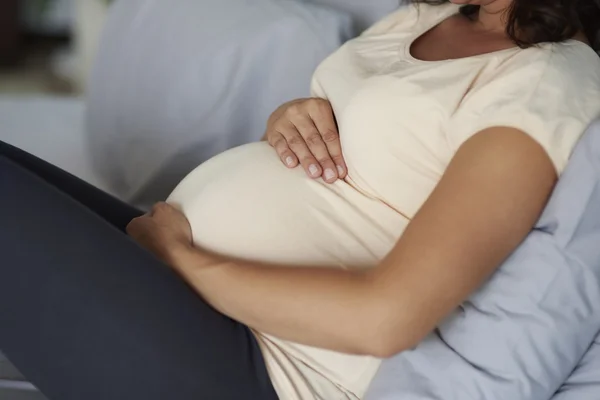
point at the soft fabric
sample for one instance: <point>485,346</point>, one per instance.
<point>86,313</point>
<point>174,85</point>
<point>58,117</point>
<point>397,118</point>
<point>523,333</point>
<point>584,382</point>
<point>364,13</point>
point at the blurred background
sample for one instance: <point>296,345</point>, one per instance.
<point>46,53</point>
<point>46,46</point>
<point>47,49</point>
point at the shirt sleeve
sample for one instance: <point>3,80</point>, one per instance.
<point>550,93</point>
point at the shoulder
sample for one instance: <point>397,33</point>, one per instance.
<point>568,66</point>
<point>565,75</point>
<point>408,15</point>
<point>551,92</point>
<point>573,64</point>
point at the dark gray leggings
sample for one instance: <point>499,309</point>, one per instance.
<point>85,313</point>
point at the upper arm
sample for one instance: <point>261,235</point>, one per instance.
<point>488,200</point>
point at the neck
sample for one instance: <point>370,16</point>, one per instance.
<point>492,17</point>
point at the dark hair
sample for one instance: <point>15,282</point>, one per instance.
<point>537,21</point>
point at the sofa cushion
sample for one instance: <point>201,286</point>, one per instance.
<point>584,382</point>
<point>173,86</point>
<point>364,13</point>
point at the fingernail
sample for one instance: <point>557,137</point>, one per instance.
<point>314,170</point>
<point>289,161</point>
<point>340,170</point>
<point>329,174</point>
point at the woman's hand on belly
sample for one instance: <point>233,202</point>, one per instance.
<point>304,132</point>
<point>164,231</point>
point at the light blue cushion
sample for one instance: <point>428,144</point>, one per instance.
<point>173,85</point>
<point>365,13</point>
<point>584,382</point>
<point>523,333</point>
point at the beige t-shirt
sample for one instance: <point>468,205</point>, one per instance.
<point>401,120</point>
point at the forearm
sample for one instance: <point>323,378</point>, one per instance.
<point>323,307</point>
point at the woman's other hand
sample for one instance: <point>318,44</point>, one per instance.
<point>304,132</point>
<point>164,231</point>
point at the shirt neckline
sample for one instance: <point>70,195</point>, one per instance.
<point>452,9</point>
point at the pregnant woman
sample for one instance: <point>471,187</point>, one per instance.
<point>290,267</point>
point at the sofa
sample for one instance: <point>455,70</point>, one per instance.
<point>174,85</point>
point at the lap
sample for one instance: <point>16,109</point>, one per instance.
<point>86,313</point>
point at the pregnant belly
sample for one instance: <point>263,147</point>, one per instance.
<point>244,203</point>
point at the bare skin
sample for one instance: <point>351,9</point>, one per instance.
<point>459,37</point>
<point>500,177</point>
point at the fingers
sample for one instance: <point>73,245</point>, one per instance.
<point>298,146</point>
<point>280,144</point>
<point>162,210</point>
<point>316,145</point>
<point>306,134</point>
<point>130,226</point>
<point>134,226</point>
<point>324,121</point>
<point>158,208</point>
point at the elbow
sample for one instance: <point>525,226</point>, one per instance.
<point>386,345</point>
<point>394,322</point>
<point>393,332</point>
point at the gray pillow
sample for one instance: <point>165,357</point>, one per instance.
<point>523,333</point>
